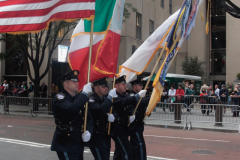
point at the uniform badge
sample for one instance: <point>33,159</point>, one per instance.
<point>75,73</point>
<point>131,95</point>
<point>91,100</point>
<point>60,96</point>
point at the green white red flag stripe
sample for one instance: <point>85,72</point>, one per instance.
<point>105,42</point>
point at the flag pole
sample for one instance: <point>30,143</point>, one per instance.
<point>172,47</point>
<point>154,68</point>
<point>109,124</point>
<point>89,68</point>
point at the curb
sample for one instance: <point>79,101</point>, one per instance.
<point>193,128</point>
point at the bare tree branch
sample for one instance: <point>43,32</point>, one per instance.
<point>26,56</point>
<point>31,47</point>
<point>37,49</point>
<point>28,67</point>
<point>45,42</point>
<point>53,48</point>
<point>24,48</point>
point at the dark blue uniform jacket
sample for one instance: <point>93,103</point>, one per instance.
<point>138,124</point>
<point>122,105</point>
<point>69,111</point>
<point>99,108</point>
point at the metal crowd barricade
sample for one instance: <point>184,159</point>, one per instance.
<point>42,105</point>
<point>33,106</point>
<point>161,113</point>
<point>188,100</point>
<point>18,104</point>
<point>210,110</point>
<point>203,113</point>
<point>2,104</point>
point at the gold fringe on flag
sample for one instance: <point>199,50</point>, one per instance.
<point>207,25</point>
<point>52,20</point>
<point>201,15</point>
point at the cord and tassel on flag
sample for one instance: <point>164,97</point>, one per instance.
<point>208,12</point>
<point>141,58</point>
<point>183,26</point>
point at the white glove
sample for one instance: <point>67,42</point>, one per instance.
<point>132,118</point>
<point>87,88</point>
<point>86,136</point>
<point>111,117</point>
<point>142,93</point>
<point>113,93</point>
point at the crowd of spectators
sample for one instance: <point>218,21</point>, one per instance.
<point>208,95</point>
<point>15,89</point>
<point>21,89</point>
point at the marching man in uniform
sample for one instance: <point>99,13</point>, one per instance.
<point>123,149</point>
<point>100,103</point>
<point>68,110</point>
<point>137,127</point>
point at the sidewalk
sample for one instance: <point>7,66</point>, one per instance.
<point>23,110</point>
<point>159,118</point>
<point>198,121</point>
<point>195,125</point>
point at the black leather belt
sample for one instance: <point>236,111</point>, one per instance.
<point>67,128</point>
<point>74,128</point>
<point>119,119</point>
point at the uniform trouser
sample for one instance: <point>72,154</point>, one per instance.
<point>123,148</point>
<point>138,145</point>
<point>101,152</point>
<point>69,156</point>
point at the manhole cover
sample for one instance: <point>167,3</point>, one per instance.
<point>203,152</point>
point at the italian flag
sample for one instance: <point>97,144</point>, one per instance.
<point>106,40</point>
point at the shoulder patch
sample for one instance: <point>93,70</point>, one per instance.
<point>131,94</point>
<point>60,96</point>
<point>91,100</point>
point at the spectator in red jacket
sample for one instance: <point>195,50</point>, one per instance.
<point>179,94</point>
<point>203,100</point>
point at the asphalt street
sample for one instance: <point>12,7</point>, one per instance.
<point>24,138</point>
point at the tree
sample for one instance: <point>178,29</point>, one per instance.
<point>193,66</point>
<point>128,8</point>
<point>34,46</point>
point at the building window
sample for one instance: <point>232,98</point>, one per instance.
<point>170,6</point>
<point>138,26</point>
<point>134,48</point>
<point>218,63</point>
<point>151,27</point>
<point>217,39</point>
<point>162,3</point>
<point>61,32</point>
<point>63,29</point>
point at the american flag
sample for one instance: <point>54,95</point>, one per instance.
<point>34,15</point>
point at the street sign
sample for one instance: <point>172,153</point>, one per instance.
<point>62,53</point>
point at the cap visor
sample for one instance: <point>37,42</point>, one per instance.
<point>74,80</point>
